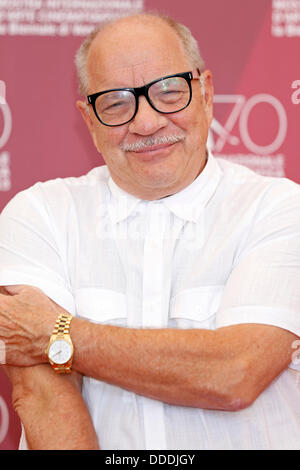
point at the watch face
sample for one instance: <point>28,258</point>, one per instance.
<point>60,351</point>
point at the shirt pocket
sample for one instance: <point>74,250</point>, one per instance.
<point>195,308</point>
<point>101,306</point>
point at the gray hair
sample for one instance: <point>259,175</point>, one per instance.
<point>188,41</point>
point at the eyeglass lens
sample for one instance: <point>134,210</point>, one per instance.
<point>166,96</point>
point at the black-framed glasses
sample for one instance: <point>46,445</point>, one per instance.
<point>167,95</point>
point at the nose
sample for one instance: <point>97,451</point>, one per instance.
<point>147,121</point>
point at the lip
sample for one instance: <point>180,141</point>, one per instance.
<point>154,152</point>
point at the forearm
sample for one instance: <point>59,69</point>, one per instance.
<point>223,369</point>
<point>181,367</point>
<point>51,409</point>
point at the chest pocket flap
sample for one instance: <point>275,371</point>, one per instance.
<point>101,306</point>
<point>195,308</point>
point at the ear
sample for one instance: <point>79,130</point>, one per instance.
<point>208,95</point>
<point>86,115</point>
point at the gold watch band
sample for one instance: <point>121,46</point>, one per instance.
<point>62,369</point>
<point>62,331</point>
<point>62,325</point>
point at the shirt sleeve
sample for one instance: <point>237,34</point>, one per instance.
<point>31,252</point>
<point>264,284</point>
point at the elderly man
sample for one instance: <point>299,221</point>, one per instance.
<point>167,279</point>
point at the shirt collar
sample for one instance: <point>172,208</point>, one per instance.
<point>186,204</point>
<point>122,203</point>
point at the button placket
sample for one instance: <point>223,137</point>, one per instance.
<point>153,315</point>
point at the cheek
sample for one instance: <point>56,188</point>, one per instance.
<point>109,140</point>
<point>193,117</point>
<point>194,124</point>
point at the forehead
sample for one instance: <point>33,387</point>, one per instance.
<point>134,52</point>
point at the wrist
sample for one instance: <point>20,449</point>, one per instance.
<point>79,339</point>
<point>84,337</point>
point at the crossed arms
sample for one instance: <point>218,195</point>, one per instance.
<point>223,369</point>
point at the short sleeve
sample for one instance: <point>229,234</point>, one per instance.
<point>264,284</point>
<point>30,248</point>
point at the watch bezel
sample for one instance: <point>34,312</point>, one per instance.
<point>65,340</point>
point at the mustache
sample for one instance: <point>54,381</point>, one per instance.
<point>151,141</point>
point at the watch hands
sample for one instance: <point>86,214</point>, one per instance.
<point>58,352</point>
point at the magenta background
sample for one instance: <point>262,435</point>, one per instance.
<point>49,139</point>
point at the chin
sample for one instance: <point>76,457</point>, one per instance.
<point>159,186</point>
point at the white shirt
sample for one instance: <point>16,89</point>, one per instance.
<point>223,251</point>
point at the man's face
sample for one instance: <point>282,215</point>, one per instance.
<point>132,54</point>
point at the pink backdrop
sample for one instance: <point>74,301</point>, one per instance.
<point>252,48</point>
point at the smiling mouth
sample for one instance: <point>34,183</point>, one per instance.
<point>155,153</point>
<point>155,148</point>
<point>153,145</point>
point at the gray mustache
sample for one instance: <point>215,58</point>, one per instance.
<point>151,142</point>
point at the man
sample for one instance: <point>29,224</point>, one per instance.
<point>181,273</point>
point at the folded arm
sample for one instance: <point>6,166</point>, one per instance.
<point>50,406</point>
<point>223,369</point>
<point>51,409</point>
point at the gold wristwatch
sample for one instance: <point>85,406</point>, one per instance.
<point>60,349</point>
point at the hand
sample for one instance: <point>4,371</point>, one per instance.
<point>27,319</point>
